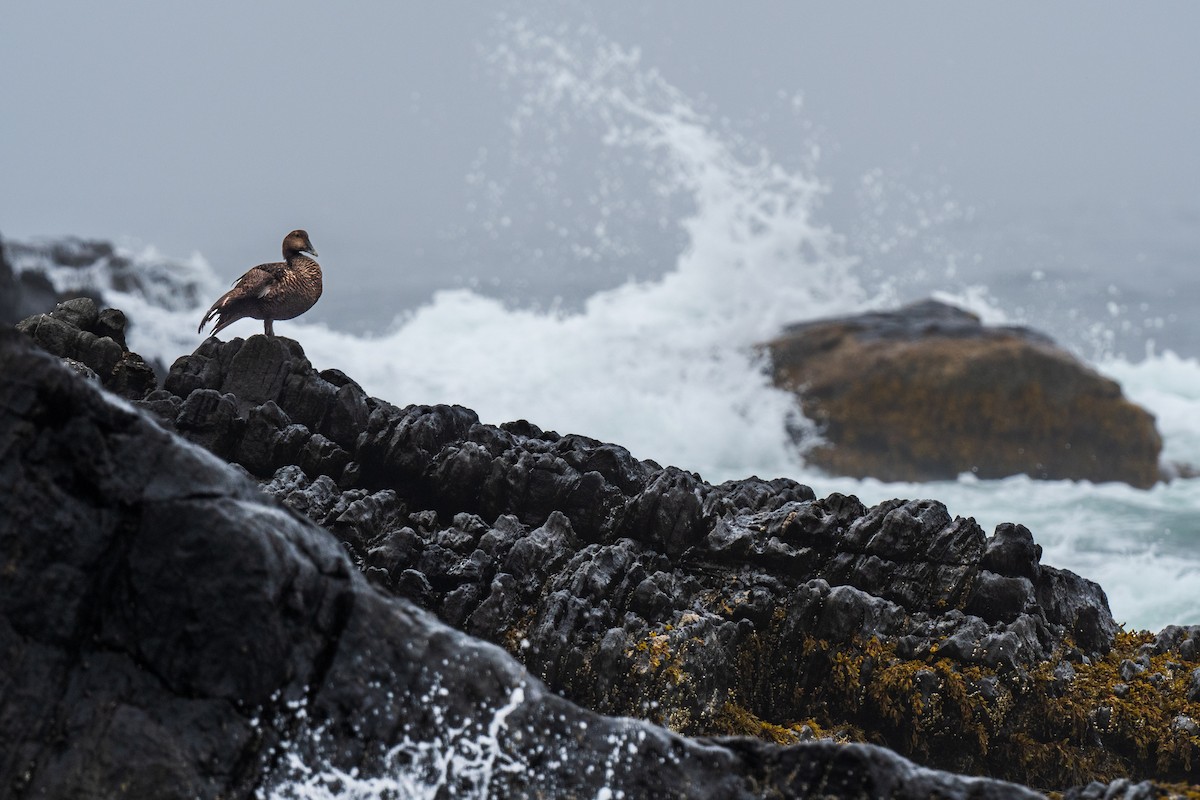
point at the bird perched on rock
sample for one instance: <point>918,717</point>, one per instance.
<point>279,290</point>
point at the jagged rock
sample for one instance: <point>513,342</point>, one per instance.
<point>169,632</point>
<point>76,330</point>
<point>748,607</point>
<point>597,565</point>
<point>1182,640</point>
<point>927,392</point>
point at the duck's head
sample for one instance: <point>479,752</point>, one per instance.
<point>297,242</point>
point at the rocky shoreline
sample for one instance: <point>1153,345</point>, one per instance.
<point>842,639</point>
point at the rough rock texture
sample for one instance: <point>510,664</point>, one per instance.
<point>927,392</point>
<point>94,341</point>
<point>749,607</point>
<point>167,631</point>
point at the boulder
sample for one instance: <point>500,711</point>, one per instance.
<point>750,607</point>
<point>94,339</point>
<point>168,631</point>
<point>927,392</point>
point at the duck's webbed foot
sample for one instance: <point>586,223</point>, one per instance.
<point>267,327</point>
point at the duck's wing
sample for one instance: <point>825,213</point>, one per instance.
<point>247,292</point>
<point>258,281</point>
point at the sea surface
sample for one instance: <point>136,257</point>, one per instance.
<point>644,245</point>
<point>668,243</point>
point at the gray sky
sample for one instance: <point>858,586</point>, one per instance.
<point>219,126</point>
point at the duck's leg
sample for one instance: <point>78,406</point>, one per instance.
<point>267,328</point>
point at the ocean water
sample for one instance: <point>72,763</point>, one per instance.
<point>665,363</point>
<point>651,246</point>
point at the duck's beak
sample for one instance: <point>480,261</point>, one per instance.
<point>313,251</point>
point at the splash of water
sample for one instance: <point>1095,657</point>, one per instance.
<point>668,367</point>
<point>463,758</point>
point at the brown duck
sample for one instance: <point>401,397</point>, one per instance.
<point>280,290</point>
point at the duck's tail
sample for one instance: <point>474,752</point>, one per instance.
<point>226,311</point>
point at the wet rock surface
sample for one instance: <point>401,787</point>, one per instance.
<point>168,631</point>
<point>751,607</point>
<point>93,341</point>
<point>926,392</point>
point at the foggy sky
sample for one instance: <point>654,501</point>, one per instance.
<point>217,127</point>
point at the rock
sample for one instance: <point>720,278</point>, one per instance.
<point>751,607</point>
<point>170,632</point>
<point>1185,724</point>
<point>625,585</point>
<point>78,331</point>
<point>926,392</point>
<point>1012,552</point>
<point>1182,640</point>
<point>1130,669</point>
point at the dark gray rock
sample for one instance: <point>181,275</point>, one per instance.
<point>1185,725</point>
<point>1011,552</point>
<point>171,633</point>
<point>1181,640</point>
<point>629,587</point>
<point>633,589</point>
<point>76,330</point>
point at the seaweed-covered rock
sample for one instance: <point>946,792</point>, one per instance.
<point>638,589</point>
<point>169,632</point>
<point>927,392</point>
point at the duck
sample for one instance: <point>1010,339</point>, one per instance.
<point>279,290</point>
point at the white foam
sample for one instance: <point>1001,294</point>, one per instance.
<point>462,759</point>
<point>667,367</point>
<point>1169,386</point>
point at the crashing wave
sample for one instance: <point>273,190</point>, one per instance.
<point>99,268</point>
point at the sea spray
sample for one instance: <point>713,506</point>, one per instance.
<point>674,357</point>
<point>667,366</point>
<point>462,758</point>
<point>474,754</point>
